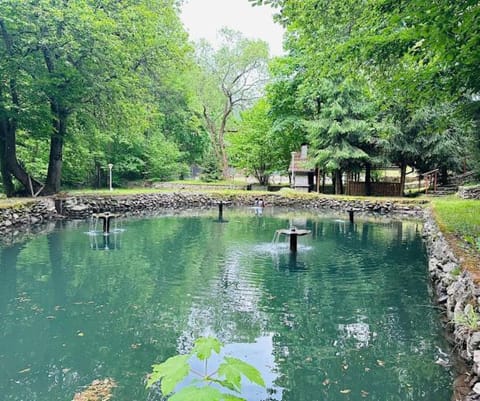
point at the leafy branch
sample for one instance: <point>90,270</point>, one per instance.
<point>228,376</point>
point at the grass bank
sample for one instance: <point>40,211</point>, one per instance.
<point>459,220</point>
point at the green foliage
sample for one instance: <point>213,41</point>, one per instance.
<point>255,147</point>
<point>468,318</point>
<point>229,79</point>
<point>416,58</point>
<point>227,377</point>
<point>211,169</point>
<point>121,98</point>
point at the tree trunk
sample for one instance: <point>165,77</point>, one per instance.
<point>8,133</point>
<point>221,137</point>
<point>7,182</point>
<point>403,173</point>
<point>54,173</point>
<point>338,182</point>
<point>444,175</point>
<point>368,179</point>
<point>60,114</point>
<point>8,130</point>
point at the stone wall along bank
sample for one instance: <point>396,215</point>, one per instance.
<point>459,296</point>
<point>81,207</point>
<point>469,192</point>
<point>24,216</point>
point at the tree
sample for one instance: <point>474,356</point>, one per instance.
<point>287,109</point>
<point>230,79</point>
<point>82,69</point>
<point>418,54</point>
<point>252,147</point>
<point>343,134</point>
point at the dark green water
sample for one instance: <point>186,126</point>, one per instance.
<point>348,318</point>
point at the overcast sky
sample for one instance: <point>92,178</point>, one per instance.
<point>204,18</point>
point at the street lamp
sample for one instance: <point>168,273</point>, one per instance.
<point>110,165</point>
<point>293,169</point>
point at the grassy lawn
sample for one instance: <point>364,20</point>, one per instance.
<point>460,217</point>
<point>459,220</point>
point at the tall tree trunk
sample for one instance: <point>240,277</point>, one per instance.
<point>8,133</point>
<point>368,179</point>
<point>8,130</point>
<point>403,173</point>
<point>338,182</point>
<point>444,175</point>
<point>55,161</point>
<point>7,182</point>
<point>60,114</point>
<point>221,136</point>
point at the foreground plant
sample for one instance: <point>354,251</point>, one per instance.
<point>469,318</point>
<point>219,385</point>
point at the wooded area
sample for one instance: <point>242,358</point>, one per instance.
<point>88,83</point>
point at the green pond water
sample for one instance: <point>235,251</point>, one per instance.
<point>349,317</point>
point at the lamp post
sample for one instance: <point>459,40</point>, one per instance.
<point>110,165</point>
<point>293,169</point>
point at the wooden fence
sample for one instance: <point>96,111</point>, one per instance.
<point>357,188</point>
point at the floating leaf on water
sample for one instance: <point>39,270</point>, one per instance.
<point>364,393</point>
<point>380,363</point>
<point>80,334</point>
<point>99,390</point>
<point>51,317</point>
<point>24,370</point>
<point>326,382</point>
<point>345,391</point>
<point>367,369</point>
<point>345,366</point>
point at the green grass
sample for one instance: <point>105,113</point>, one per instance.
<point>12,203</point>
<point>458,216</point>
<point>213,183</point>
<point>461,219</point>
<point>115,192</point>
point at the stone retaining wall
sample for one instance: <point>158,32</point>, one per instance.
<point>458,295</point>
<point>81,207</point>
<point>23,217</point>
<point>469,192</point>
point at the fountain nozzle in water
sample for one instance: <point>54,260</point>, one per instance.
<point>293,233</point>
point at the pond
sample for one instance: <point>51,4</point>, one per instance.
<point>347,317</point>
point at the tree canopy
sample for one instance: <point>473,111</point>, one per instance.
<point>87,83</point>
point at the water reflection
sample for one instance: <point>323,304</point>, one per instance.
<point>347,317</point>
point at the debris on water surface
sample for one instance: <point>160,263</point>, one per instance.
<point>98,390</point>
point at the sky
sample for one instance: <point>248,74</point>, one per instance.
<point>204,18</point>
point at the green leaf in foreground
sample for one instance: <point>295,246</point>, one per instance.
<point>233,369</point>
<point>204,346</point>
<point>171,372</point>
